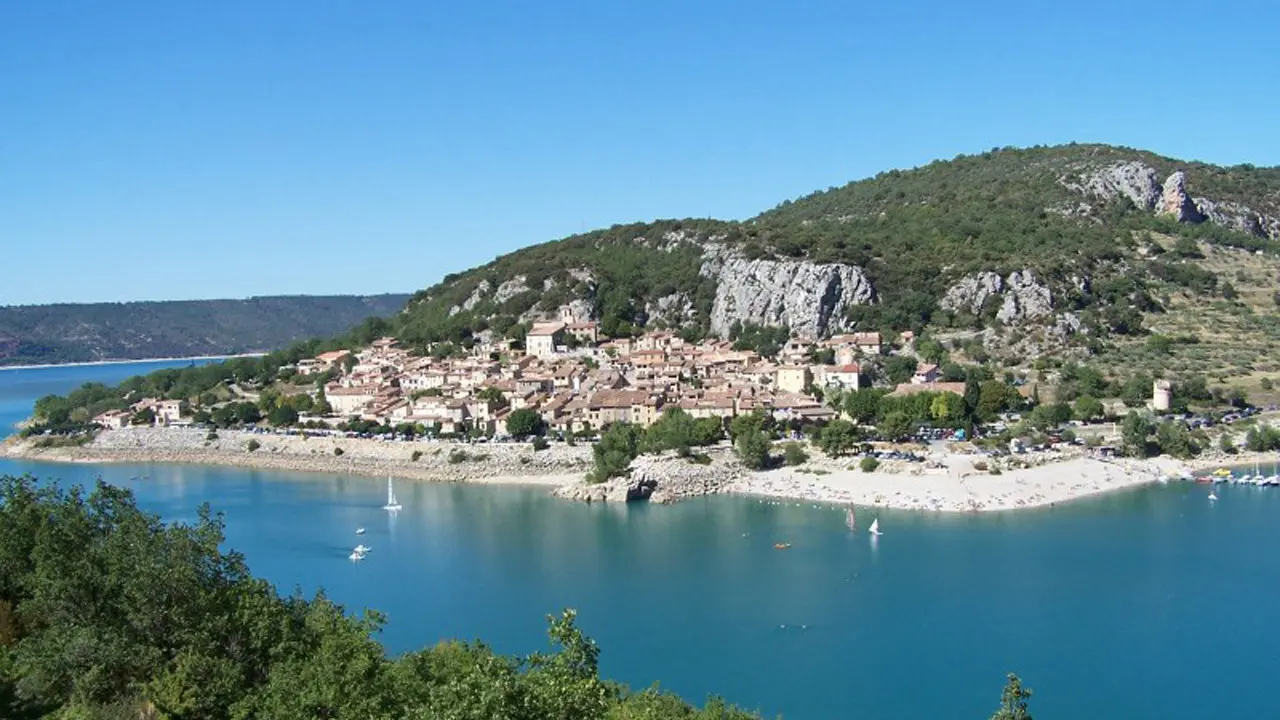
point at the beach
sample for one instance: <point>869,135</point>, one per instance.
<point>958,487</point>
<point>949,482</point>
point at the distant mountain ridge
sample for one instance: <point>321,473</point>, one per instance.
<point>67,333</point>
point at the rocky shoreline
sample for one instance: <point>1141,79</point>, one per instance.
<point>949,482</point>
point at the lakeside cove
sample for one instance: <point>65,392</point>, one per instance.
<point>948,481</point>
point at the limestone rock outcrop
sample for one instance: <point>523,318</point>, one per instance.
<point>511,288</point>
<point>1175,201</point>
<point>1025,298</point>
<point>971,292</point>
<point>673,310</point>
<point>1022,296</point>
<point>1134,180</point>
<point>810,298</point>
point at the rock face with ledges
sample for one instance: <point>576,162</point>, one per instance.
<point>1022,296</point>
<point>810,298</point>
<point>1132,180</point>
<point>970,293</point>
<point>1175,201</point>
<point>1025,298</point>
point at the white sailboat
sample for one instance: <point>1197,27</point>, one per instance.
<point>356,556</point>
<point>875,527</point>
<point>392,504</point>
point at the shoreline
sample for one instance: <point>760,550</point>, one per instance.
<point>948,484</point>
<point>958,488</point>
<point>508,464</point>
<point>93,363</point>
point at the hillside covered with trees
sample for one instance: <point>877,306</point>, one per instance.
<point>65,333</point>
<point>108,613</point>
<point>1089,222</point>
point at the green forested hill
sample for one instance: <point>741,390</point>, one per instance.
<point>45,334</point>
<point>1093,223</point>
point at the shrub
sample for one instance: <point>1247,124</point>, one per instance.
<point>416,454</point>
<point>869,464</point>
<point>700,459</point>
<point>540,443</point>
<point>337,452</point>
<point>980,466</point>
<point>793,454</point>
<point>253,445</point>
<point>213,435</point>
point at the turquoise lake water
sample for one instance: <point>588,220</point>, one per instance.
<point>1146,604</point>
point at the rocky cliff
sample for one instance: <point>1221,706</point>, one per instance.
<point>1140,184</point>
<point>810,298</point>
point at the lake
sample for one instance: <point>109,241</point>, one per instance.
<point>1151,603</point>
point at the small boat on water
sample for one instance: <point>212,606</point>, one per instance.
<point>1212,497</point>
<point>875,527</point>
<point>850,519</point>
<point>781,546</point>
<point>362,549</point>
<point>356,556</point>
<point>359,531</point>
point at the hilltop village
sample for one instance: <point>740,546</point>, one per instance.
<point>578,384</point>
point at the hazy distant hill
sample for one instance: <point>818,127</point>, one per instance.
<point>46,334</point>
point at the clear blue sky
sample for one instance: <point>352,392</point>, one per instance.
<point>168,150</point>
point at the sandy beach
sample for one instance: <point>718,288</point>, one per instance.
<point>958,487</point>
<point>949,482</point>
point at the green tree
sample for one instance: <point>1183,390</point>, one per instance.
<point>899,368</point>
<point>895,425</point>
<point>1134,432</point>
<point>793,454</point>
<point>1136,391</point>
<point>490,394</point>
<point>282,416</point>
<point>613,454</point>
<point>525,422</point>
<point>1174,439</point>
<point>752,448</point>
<point>145,416</point>
<point>707,431</point>
<point>1087,408</point>
<point>863,405</point>
<point>947,409</point>
<point>869,464</point>
<point>1226,444</point>
<point>995,397</point>
<point>1013,701</point>
<point>838,438</point>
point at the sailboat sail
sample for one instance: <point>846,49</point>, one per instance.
<point>391,497</point>
<point>875,527</point>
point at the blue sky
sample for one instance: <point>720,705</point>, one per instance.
<point>193,150</point>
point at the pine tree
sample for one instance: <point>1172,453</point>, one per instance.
<point>1013,701</point>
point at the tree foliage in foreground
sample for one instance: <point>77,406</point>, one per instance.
<point>105,612</point>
